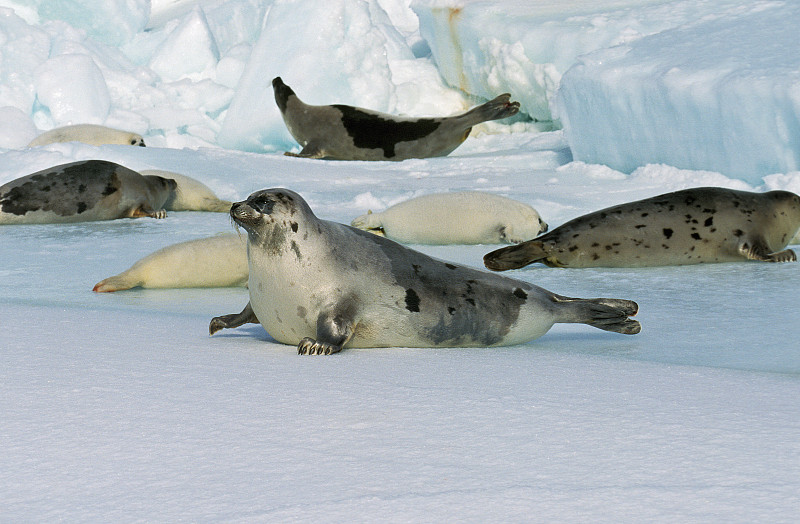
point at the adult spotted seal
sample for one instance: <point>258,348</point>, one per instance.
<point>693,226</point>
<point>91,134</point>
<point>466,217</point>
<point>82,192</point>
<point>323,286</point>
<point>342,132</point>
<point>218,261</point>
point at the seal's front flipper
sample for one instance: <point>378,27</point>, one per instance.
<point>147,211</point>
<point>787,255</point>
<point>233,320</point>
<point>311,150</point>
<point>334,330</point>
<point>758,250</point>
<point>608,314</point>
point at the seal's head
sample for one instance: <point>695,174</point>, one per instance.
<point>267,215</point>
<point>282,93</point>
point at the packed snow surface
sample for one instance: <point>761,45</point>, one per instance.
<point>119,407</point>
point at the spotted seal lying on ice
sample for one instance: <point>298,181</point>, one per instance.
<point>83,191</point>
<point>323,286</point>
<point>692,226</point>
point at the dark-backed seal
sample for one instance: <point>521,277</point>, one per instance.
<point>218,261</point>
<point>465,217</point>
<point>82,192</point>
<point>323,286</point>
<point>91,134</point>
<point>342,132</point>
<point>693,226</point>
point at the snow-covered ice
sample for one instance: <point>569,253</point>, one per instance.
<point>120,407</point>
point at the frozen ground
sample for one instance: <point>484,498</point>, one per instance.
<point>120,407</point>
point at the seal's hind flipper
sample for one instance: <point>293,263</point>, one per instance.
<point>233,320</point>
<point>515,257</point>
<point>495,109</point>
<point>758,250</point>
<point>369,222</point>
<point>608,314</point>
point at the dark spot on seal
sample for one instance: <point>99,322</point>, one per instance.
<point>738,233</point>
<point>640,226</point>
<point>301,312</point>
<point>412,301</point>
<point>110,189</point>
<point>296,250</point>
<point>470,301</point>
<point>668,232</point>
<point>709,222</point>
<point>595,244</point>
<point>294,226</point>
<point>645,214</point>
<point>595,256</point>
<point>451,310</point>
<point>370,131</point>
<point>82,207</point>
<point>572,248</point>
<point>82,188</point>
<point>519,293</point>
<point>416,267</point>
<point>448,266</point>
<point>696,236</point>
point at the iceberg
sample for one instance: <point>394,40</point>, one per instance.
<point>721,94</point>
<point>485,48</point>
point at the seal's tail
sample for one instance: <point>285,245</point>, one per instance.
<point>500,107</point>
<point>608,314</point>
<point>515,257</point>
<point>366,222</point>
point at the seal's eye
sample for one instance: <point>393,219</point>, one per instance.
<point>263,203</point>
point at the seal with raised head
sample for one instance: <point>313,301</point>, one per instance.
<point>692,226</point>
<point>91,134</point>
<point>218,261</point>
<point>323,286</point>
<point>465,217</point>
<point>342,132</point>
<point>82,192</point>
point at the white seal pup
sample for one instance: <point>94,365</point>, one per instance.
<point>323,286</point>
<point>467,217</point>
<point>191,194</point>
<point>342,132</point>
<point>91,134</point>
<point>82,192</point>
<point>692,226</point>
<point>218,261</point>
